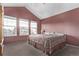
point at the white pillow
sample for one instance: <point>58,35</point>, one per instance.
<point>59,34</point>
<point>47,33</point>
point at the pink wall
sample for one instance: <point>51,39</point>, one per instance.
<point>67,23</point>
<point>14,39</point>
<point>19,12</point>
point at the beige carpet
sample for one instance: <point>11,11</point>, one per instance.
<point>21,49</point>
<point>68,50</point>
<point>24,49</point>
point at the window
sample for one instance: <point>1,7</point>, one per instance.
<point>9,26</point>
<point>33,27</point>
<point>24,26</point>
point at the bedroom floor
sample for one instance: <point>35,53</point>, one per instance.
<point>24,49</point>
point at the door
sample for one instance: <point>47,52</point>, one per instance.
<point>0,30</point>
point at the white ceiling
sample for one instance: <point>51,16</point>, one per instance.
<point>44,10</point>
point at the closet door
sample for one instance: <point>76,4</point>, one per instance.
<point>0,30</point>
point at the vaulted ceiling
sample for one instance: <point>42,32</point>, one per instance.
<point>45,10</point>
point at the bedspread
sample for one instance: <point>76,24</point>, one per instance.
<point>46,42</point>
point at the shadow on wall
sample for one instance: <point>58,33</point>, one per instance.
<point>72,40</point>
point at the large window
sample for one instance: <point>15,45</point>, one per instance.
<point>33,27</point>
<point>24,26</point>
<point>9,26</point>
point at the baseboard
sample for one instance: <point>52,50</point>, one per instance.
<point>72,45</point>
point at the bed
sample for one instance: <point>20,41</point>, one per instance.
<point>48,43</point>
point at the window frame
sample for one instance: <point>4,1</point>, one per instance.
<point>24,20</point>
<point>15,26</point>
<point>31,27</point>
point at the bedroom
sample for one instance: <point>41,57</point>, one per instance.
<point>24,23</point>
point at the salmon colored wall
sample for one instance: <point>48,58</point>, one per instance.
<point>20,12</point>
<point>67,23</point>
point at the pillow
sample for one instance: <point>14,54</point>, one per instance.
<point>59,34</point>
<point>47,33</point>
